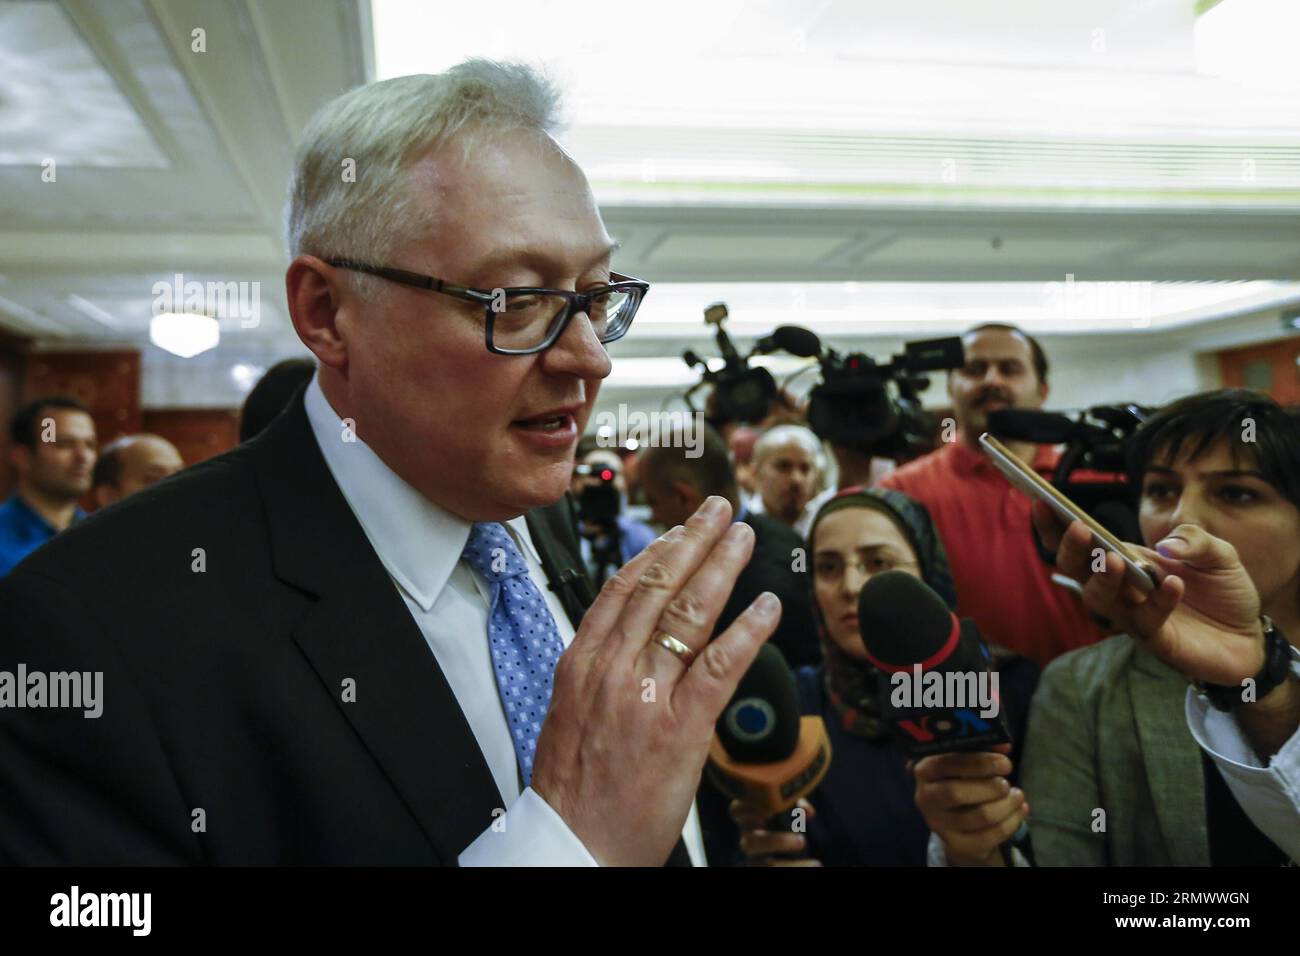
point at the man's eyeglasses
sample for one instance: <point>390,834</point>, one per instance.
<point>524,321</point>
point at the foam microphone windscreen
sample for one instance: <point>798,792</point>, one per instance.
<point>797,340</point>
<point>761,722</point>
<point>903,622</point>
<point>1032,425</point>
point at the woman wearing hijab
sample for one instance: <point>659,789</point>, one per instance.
<point>864,812</point>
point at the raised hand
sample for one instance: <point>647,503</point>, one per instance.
<point>620,755</point>
<point>1203,620</point>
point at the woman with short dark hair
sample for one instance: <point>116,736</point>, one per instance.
<point>1112,768</point>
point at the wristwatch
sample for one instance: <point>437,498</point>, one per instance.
<point>1277,665</point>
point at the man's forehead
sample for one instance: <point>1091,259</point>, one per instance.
<point>791,450</point>
<point>149,449</point>
<point>996,344</point>
<point>70,420</point>
<point>510,199</point>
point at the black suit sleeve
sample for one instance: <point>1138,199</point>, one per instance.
<point>76,789</point>
<point>772,567</point>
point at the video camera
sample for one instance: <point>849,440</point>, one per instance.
<point>598,503</point>
<point>1092,470</point>
<point>876,408</point>
<point>868,406</point>
<point>598,509</point>
<point>741,392</point>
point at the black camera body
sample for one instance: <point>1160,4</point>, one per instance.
<point>876,409</point>
<point>1092,471</point>
<point>741,392</point>
<point>598,504</point>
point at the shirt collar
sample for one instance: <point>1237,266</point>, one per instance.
<point>38,519</point>
<point>417,541</point>
<point>967,461</point>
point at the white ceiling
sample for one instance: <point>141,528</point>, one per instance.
<point>805,144</point>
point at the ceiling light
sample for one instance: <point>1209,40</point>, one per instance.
<point>1250,42</point>
<point>245,376</point>
<point>184,333</point>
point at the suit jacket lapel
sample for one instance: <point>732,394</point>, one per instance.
<point>553,532</point>
<point>1171,757</point>
<point>359,628</point>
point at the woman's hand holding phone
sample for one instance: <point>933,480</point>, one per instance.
<point>1203,620</point>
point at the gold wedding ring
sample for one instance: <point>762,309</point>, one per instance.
<point>668,642</point>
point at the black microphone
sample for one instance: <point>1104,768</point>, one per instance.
<point>790,338</point>
<point>1042,428</point>
<point>764,753</point>
<point>938,693</point>
<point>908,630</point>
<point>1033,425</point>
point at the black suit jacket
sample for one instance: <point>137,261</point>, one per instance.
<point>225,736</point>
<point>771,567</point>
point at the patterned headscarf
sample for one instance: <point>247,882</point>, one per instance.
<point>852,684</point>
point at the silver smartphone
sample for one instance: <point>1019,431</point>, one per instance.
<point>1143,575</point>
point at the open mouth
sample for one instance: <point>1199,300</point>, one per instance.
<point>546,423</point>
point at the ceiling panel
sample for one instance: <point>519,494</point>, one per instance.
<point>979,249</point>
<point>733,248</point>
<point>58,102</point>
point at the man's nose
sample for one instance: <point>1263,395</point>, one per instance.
<point>993,377</point>
<point>578,351</point>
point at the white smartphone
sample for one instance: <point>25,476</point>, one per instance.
<point>1143,575</point>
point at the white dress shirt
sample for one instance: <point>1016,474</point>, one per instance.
<point>1269,795</point>
<point>420,544</point>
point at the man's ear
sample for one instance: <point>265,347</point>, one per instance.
<point>315,292</point>
<point>690,496</point>
<point>20,456</point>
<point>102,496</point>
<point>1043,391</point>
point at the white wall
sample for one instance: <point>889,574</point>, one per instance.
<point>1149,368</point>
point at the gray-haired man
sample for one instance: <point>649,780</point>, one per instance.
<point>339,642</point>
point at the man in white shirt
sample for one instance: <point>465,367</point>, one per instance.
<point>339,643</point>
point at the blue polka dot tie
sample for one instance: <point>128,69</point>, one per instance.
<point>522,636</point>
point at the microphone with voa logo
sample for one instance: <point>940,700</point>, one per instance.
<point>938,693</point>
<point>764,753</point>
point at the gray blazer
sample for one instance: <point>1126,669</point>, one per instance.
<point>1107,731</point>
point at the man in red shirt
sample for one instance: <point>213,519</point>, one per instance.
<point>1001,581</point>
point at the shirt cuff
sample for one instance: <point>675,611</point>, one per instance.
<point>936,853</point>
<point>530,833</point>
<point>1270,794</point>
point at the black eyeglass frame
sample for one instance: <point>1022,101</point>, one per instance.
<point>576,301</point>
